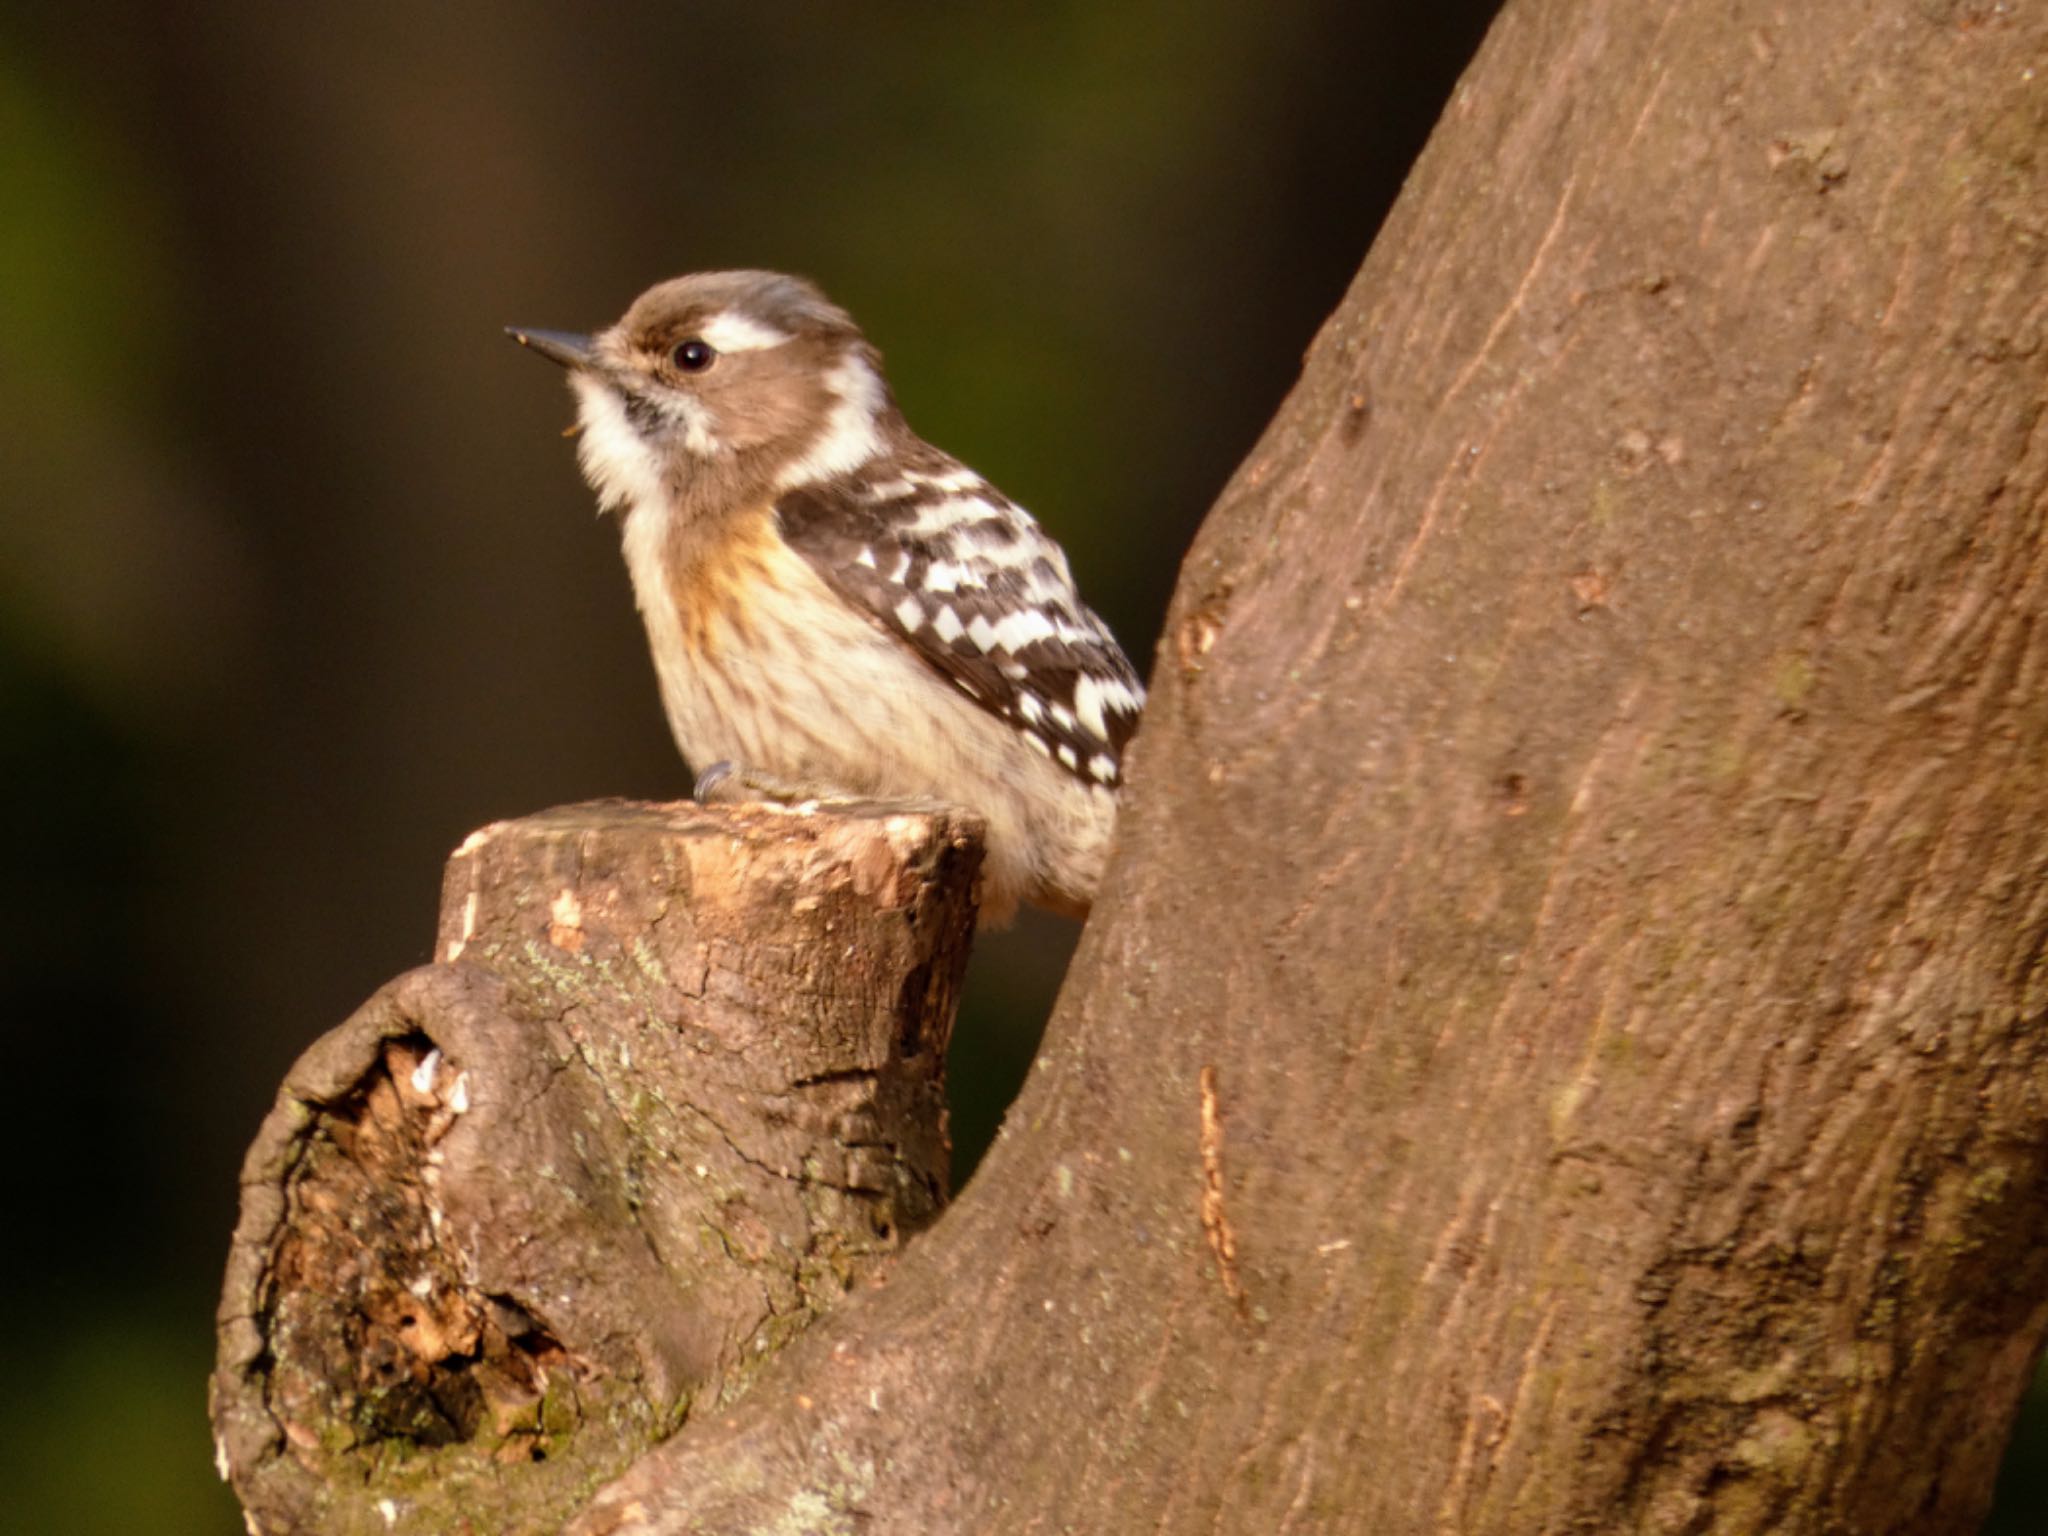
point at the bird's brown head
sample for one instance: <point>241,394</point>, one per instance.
<point>752,376</point>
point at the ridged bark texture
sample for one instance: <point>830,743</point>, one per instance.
<point>1565,1047</point>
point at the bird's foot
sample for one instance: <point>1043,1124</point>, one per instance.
<point>730,784</point>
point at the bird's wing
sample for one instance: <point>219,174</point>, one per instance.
<point>964,576</point>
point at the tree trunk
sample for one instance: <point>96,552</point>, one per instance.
<point>1563,1046</point>
<point>1565,1043</point>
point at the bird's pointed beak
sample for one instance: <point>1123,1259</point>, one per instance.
<point>564,347</point>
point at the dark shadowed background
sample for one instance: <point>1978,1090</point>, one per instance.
<point>298,583</point>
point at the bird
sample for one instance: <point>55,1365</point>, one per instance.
<point>836,608</point>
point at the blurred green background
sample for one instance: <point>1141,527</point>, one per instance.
<point>298,583</point>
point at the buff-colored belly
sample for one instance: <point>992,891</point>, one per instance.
<point>763,666</point>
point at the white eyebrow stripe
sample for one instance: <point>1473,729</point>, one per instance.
<point>730,331</point>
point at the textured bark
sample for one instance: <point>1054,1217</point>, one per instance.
<point>1563,1046</point>
<point>674,1087</point>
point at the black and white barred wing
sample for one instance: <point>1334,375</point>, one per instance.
<point>972,584</point>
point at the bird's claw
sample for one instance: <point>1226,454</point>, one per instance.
<point>727,783</point>
<point>707,790</point>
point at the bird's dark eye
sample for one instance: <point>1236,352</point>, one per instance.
<point>692,356</point>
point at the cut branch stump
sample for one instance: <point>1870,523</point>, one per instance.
<point>674,1085</point>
